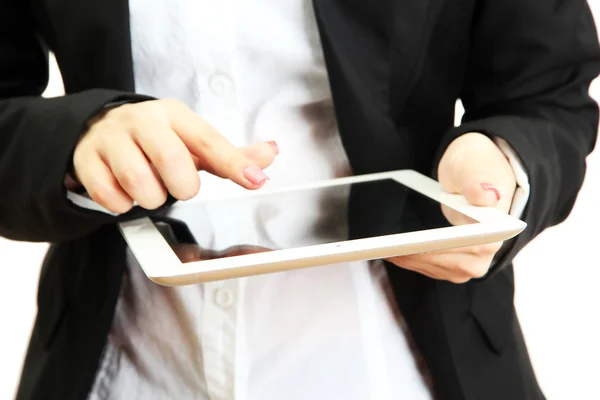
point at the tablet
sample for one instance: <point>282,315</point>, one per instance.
<point>340,220</point>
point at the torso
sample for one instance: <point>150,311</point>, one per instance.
<point>322,333</point>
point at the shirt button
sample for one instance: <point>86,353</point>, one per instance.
<point>220,83</point>
<point>224,298</point>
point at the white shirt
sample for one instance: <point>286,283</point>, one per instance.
<point>255,71</point>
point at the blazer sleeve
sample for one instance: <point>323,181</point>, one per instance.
<point>529,70</point>
<point>37,139</point>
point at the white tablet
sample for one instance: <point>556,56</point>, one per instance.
<point>340,220</point>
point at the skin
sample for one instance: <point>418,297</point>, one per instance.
<point>476,168</point>
<point>139,152</point>
<point>193,252</point>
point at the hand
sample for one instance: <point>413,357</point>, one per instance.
<point>138,152</point>
<point>193,252</point>
<point>476,168</point>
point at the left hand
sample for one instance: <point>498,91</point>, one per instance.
<point>193,252</point>
<point>476,168</point>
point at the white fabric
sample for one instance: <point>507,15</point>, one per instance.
<point>255,71</point>
<point>521,195</point>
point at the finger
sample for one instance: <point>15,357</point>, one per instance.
<point>422,263</point>
<point>478,191</point>
<point>244,250</point>
<point>100,184</point>
<point>431,270</point>
<point>132,170</point>
<point>475,167</point>
<point>261,154</point>
<point>484,250</point>
<point>188,252</point>
<point>221,158</point>
<point>170,157</point>
<point>478,185</point>
<point>456,264</point>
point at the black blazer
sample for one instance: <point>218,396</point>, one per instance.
<point>521,67</point>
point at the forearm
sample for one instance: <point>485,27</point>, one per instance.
<point>528,85</point>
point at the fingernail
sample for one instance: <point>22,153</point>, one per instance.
<point>490,187</point>
<point>274,145</point>
<point>255,175</point>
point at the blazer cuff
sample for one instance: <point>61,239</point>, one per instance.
<point>522,191</point>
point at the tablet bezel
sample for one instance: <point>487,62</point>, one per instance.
<point>162,266</point>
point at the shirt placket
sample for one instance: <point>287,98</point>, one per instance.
<point>218,338</point>
<point>217,87</point>
<point>219,106</point>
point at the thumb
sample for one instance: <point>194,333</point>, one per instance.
<point>483,182</point>
<point>475,167</point>
<point>465,176</point>
<point>479,191</point>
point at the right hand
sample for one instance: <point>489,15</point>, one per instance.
<point>138,152</point>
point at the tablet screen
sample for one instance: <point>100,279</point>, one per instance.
<point>221,228</point>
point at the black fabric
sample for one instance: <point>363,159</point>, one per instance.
<point>521,67</point>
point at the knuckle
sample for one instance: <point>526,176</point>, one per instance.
<point>206,140</point>
<point>99,194</point>
<point>79,157</point>
<point>133,178</point>
<point>232,163</point>
<point>168,156</point>
<point>118,119</point>
<point>125,112</point>
<point>107,197</point>
<point>228,165</point>
<point>170,102</point>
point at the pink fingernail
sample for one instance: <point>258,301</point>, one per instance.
<point>489,186</point>
<point>274,145</point>
<point>255,175</point>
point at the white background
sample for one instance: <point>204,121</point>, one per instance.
<point>558,293</point>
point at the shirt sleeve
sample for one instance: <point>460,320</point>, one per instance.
<point>521,195</point>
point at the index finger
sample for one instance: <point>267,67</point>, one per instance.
<point>220,157</point>
<point>187,252</point>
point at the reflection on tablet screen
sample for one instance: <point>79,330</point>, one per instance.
<point>217,229</point>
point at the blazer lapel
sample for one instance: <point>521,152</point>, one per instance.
<point>373,51</point>
<point>398,27</point>
<point>91,41</point>
<point>356,43</point>
<point>412,21</point>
